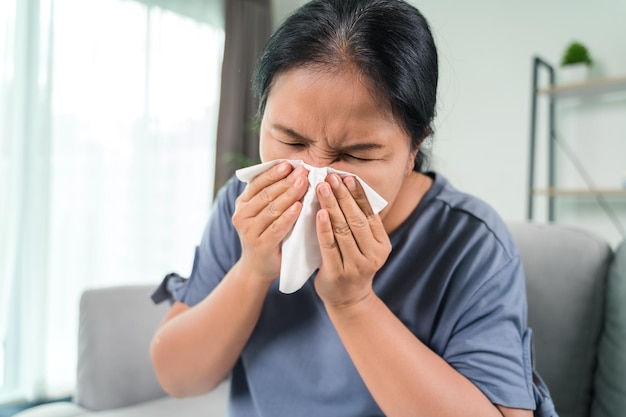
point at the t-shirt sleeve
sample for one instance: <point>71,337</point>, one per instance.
<point>490,342</point>
<point>219,248</point>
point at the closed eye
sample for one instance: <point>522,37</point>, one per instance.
<point>294,144</point>
<point>356,158</point>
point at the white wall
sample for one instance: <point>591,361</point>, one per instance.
<point>482,128</point>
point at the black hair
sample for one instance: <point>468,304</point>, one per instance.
<point>389,41</point>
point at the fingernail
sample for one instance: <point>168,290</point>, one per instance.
<point>283,168</point>
<point>334,181</point>
<point>350,183</point>
<point>298,182</point>
<point>324,190</point>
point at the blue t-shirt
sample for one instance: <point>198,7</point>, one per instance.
<point>454,278</point>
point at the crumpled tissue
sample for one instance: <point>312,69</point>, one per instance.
<point>300,249</point>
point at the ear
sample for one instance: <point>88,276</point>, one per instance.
<point>410,163</point>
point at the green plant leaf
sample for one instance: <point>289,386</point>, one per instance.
<point>576,53</point>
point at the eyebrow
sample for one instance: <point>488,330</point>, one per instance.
<point>363,147</point>
<point>292,133</point>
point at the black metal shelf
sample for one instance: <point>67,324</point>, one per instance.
<point>554,92</point>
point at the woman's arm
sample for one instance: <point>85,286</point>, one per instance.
<point>403,375</point>
<point>195,348</point>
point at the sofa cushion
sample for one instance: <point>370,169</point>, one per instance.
<point>565,280</point>
<point>212,404</point>
<point>610,395</point>
<point>116,327</point>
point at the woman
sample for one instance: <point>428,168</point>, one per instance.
<point>417,311</point>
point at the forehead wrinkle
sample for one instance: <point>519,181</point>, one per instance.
<point>358,78</point>
<point>337,143</point>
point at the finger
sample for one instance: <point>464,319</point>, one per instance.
<point>265,179</point>
<point>276,197</point>
<point>331,256</point>
<point>357,192</point>
<point>355,218</point>
<point>340,227</point>
<point>254,216</point>
<point>281,226</point>
<point>375,223</point>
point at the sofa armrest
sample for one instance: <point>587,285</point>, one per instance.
<point>610,378</point>
<point>116,326</point>
<point>566,270</point>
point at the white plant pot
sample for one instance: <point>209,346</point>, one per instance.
<point>573,74</point>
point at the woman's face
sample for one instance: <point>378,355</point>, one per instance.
<point>328,118</point>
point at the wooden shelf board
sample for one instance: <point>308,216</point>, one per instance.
<point>590,87</point>
<point>580,192</point>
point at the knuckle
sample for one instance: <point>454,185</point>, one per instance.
<point>329,245</point>
<point>342,230</point>
<point>359,223</point>
<point>240,200</point>
<point>358,195</point>
<point>266,196</point>
<point>343,196</point>
<point>275,228</point>
<point>272,174</point>
<point>272,210</point>
<point>236,219</point>
<point>383,255</point>
<point>243,196</point>
<point>241,224</point>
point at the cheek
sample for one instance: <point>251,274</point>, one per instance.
<point>263,151</point>
<point>267,149</point>
<point>386,182</point>
<point>388,190</point>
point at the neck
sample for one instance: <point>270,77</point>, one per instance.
<point>412,191</point>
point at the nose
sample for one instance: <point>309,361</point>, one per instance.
<point>318,159</point>
<point>314,162</point>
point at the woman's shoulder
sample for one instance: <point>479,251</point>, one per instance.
<point>219,228</point>
<point>230,190</point>
<point>466,213</point>
<point>225,198</point>
<point>461,203</point>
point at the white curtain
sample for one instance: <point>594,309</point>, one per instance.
<point>108,113</point>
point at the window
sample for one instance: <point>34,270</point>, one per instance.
<point>108,113</point>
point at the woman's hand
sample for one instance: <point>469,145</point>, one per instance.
<point>265,213</point>
<point>353,242</point>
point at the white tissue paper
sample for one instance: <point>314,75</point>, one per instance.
<point>300,250</point>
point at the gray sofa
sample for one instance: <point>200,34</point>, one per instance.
<point>577,308</point>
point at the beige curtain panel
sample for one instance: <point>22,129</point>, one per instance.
<point>248,27</point>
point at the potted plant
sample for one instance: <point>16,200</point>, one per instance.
<point>575,64</point>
